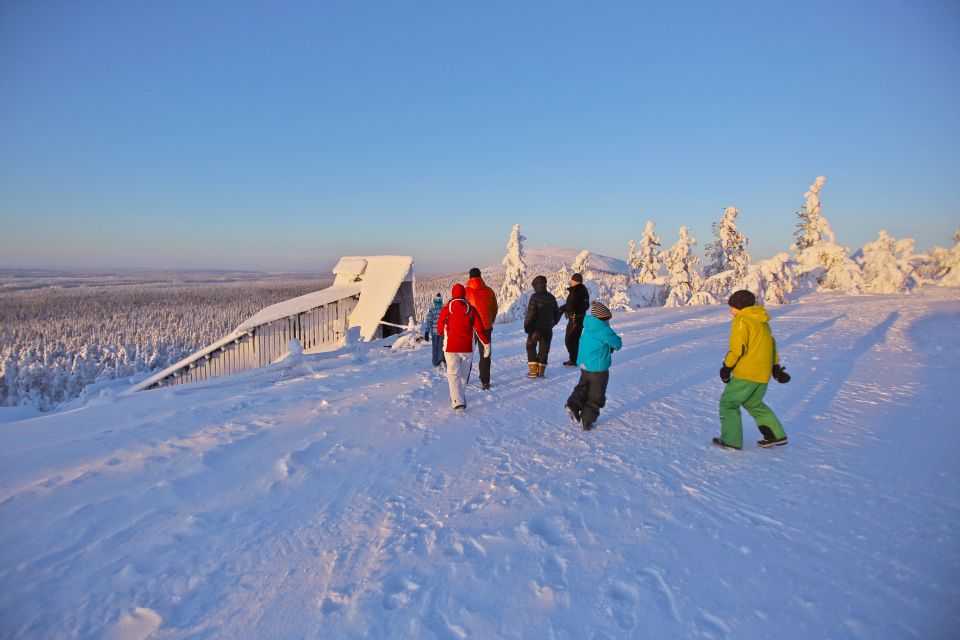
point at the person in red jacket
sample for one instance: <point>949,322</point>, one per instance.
<point>458,323</point>
<point>484,300</point>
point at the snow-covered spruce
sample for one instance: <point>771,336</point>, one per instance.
<point>820,263</point>
<point>683,275</point>
<point>884,271</point>
<point>515,291</point>
<point>728,251</point>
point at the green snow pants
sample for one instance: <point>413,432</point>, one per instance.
<point>750,395</point>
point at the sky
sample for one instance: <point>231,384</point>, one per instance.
<point>254,135</point>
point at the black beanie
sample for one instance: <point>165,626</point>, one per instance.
<point>577,277</point>
<point>742,299</point>
<point>474,273</point>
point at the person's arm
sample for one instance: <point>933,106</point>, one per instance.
<point>776,356</point>
<point>613,340</point>
<point>737,344</point>
<point>557,312</point>
<point>478,328</point>
<point>530,315</point>
<point>442,321</point>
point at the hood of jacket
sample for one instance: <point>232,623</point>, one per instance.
<point>540,284</point>
<point>458,291</point>
<point>476,282</point>
<point>437,303</point>
<point>755,314</point>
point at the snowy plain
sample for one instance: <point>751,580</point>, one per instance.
<point>345,500</point>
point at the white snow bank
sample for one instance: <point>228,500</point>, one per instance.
<point>381,277</point>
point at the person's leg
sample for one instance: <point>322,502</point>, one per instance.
<point>454,361</point>
<point>465,366</point>
<point>544,347</point>
<point>437,350</point>
<point>735,393</point>
<point>578,397</point>
<point>763,414</point>
<point>596,396</point>
<point>484,364</point>
<point>571,342</point>
<point>573,346</point>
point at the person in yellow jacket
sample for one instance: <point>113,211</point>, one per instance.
<point>746,371</point>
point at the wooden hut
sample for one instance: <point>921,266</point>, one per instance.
<point>373,293</point>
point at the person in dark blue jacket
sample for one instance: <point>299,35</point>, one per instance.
<point>597,342</point>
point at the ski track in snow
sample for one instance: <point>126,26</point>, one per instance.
<point>349,502</point>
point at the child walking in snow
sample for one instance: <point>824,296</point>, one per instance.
<point>430,329</point>
<point>746,371</point>
<point>597,342</point>
<point>459,321</point>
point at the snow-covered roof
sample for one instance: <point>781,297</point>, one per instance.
<point>381,276</point>
<point>303,303</point>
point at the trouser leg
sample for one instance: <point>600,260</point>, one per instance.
<point>483,365</point>
<point>538,346</point>
<point>596,395</point>
<point>437,342</point>
<point>544,347</point>
<point>763,414</point>
<point>735,393</point>
<point>578,397</point>
<point>458,374</point>
<point>572,339</point>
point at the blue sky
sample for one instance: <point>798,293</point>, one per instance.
<point>281,135</point>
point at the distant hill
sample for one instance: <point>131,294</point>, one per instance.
<point>549,260</point>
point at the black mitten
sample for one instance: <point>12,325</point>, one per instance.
<point>780,374</point>
<point>725,372</point>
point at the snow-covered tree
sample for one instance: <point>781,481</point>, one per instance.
<point>632,258</point>
<point>649,262</point>
<point>883,270</point>
<point>511,298</point>
<point>581,264</point>
<point>770,280</point>
<point>683,277</point>
<point>729,249</point>
<point>812,228</point>
<point>820,262</point>
<point>561,282</point>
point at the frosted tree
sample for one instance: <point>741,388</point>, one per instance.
<point>820,261</point>
<point>729,249</point>
<point>812,228</point>
<point>882,269</point>
<point>511,297</point>
<point>581,264</point>
<point>562,282</point>
<point>770,280</point>
<point>649,262</point>
<point>632,258</point>
<point>683,278</point>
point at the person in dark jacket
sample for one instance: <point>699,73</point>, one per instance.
<point>575,308</point>
<point>542,315</point>
<point>598,342</point>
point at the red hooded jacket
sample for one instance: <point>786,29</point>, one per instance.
<point>484,299</point>
<point>458,321</point>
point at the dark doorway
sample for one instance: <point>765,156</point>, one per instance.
<point>392,315</point>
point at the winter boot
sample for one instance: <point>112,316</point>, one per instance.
<point>586,426</point>
<point>721,443</point>
<point>569,363</point>
<point>533,370</point>
<point>574,414</point>
<point>541,370</point>
<point>769,439</point>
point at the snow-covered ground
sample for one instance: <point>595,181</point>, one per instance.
<point>349,502</point>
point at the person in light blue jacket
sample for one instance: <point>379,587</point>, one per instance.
<point>597,343</point>
<point>430,329</point>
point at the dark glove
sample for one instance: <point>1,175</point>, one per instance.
<point>612,349</point>
<point>780,374</point>
<point>725,372</point>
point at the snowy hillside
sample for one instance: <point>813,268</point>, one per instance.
<point>549,259</point>
<point>348,501</point>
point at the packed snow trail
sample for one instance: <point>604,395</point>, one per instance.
<point>349,502</point>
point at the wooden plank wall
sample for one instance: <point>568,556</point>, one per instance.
<point>316,328</point>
